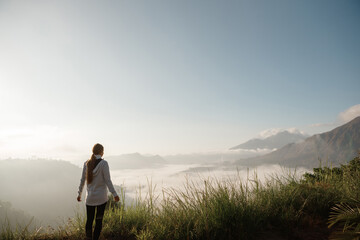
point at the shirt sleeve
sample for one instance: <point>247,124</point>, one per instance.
<point>82,180</point>
<point>106,174</point>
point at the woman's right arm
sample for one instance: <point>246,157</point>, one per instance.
<point>82,182</point>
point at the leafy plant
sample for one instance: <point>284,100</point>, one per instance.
<point>347,220</point>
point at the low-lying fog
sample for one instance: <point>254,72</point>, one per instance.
<point>135,181</point>
<point>47,189</point>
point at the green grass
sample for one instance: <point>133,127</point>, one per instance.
<point>232,209</point>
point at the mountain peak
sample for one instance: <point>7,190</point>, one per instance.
<point>275,140</point>
<point>334,147</point>
<point>274,131</point>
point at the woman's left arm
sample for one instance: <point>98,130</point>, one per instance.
<point>107,179</point>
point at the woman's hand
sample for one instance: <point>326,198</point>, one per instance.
<point>117,198</point>
<point>79,199</point>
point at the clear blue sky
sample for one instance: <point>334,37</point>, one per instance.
<point>171,76</point>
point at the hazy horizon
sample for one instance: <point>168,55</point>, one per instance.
<point>79,157</point>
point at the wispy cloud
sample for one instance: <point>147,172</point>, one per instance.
<point>349,114</point>
<point>342,118</point>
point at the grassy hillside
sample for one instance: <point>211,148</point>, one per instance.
<point>281,208</point>
<point>11,218</point>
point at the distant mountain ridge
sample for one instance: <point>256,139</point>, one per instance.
<point>337,146</point>
<point>275,141</point>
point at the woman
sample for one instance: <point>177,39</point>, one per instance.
<point>97,175</point>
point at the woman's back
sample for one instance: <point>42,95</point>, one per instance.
<point>97,192</point>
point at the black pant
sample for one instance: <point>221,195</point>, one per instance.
<point>90,212</point>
